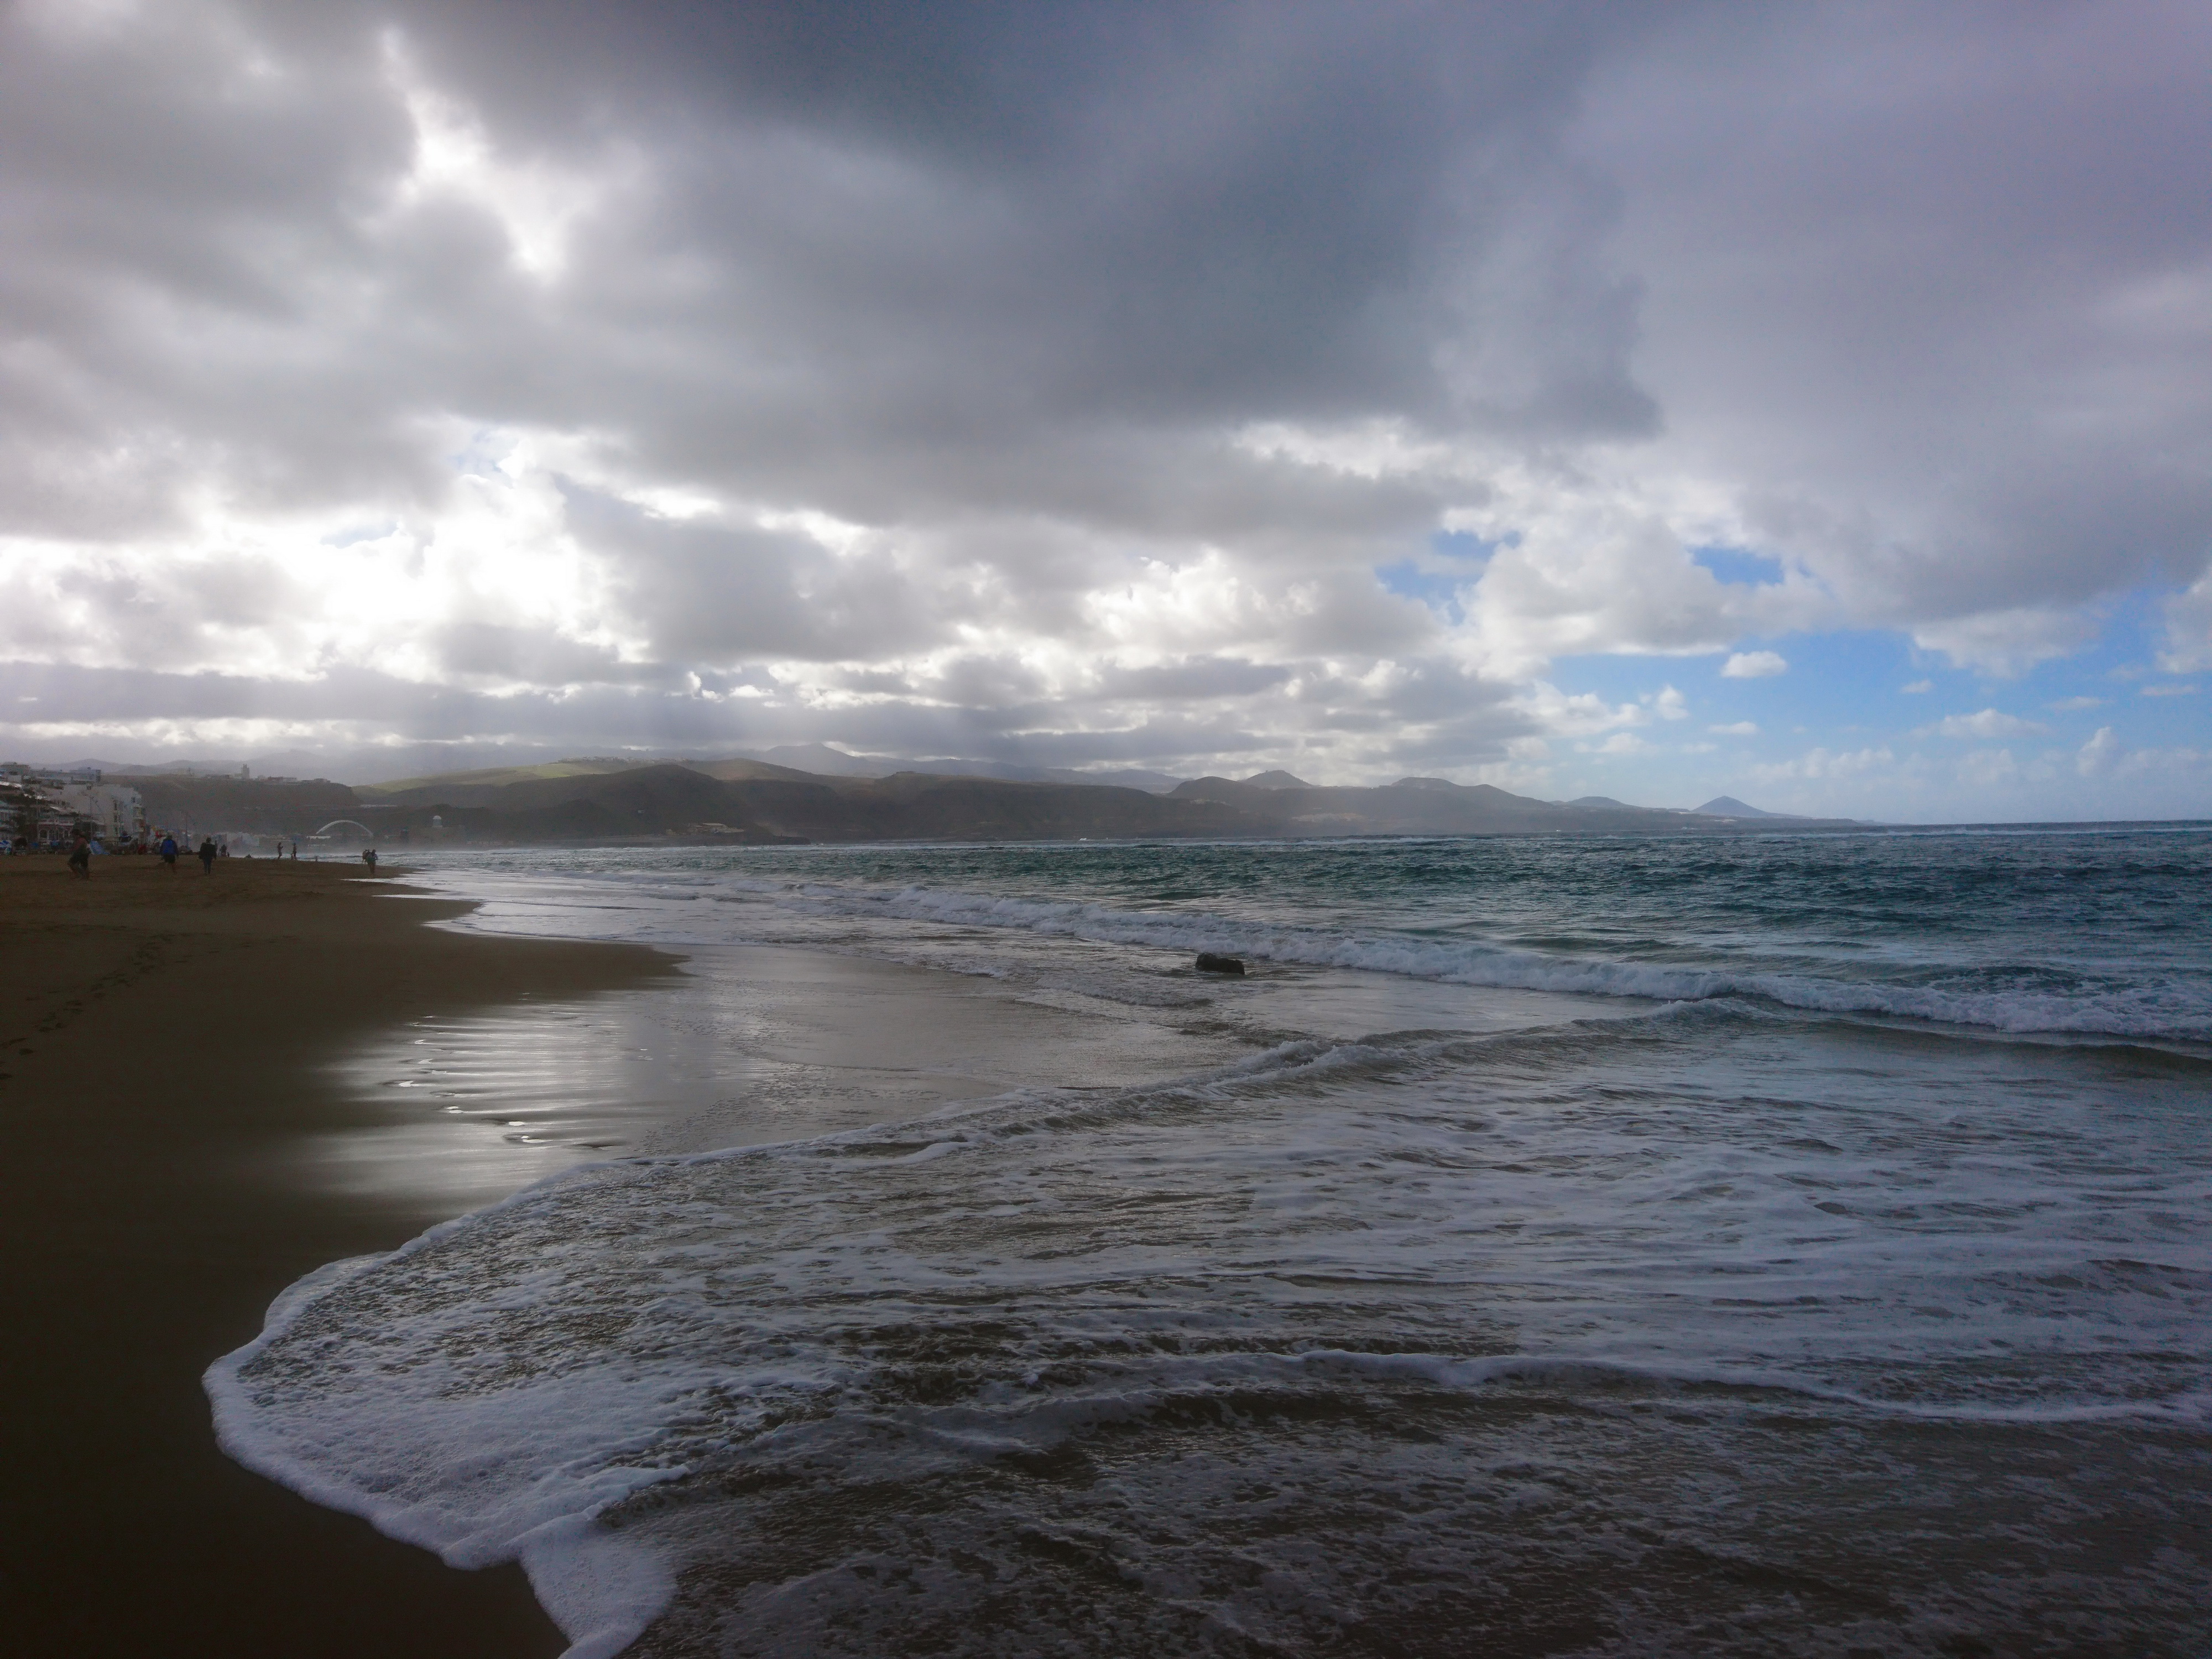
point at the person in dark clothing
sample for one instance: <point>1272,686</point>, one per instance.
<point>368,858</point>
<point>80,862</point>
<point>207,856</point>
<point>169,853</point>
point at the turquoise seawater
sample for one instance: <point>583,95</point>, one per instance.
<point>1787,1245</point>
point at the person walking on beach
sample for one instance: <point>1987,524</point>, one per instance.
<point>368,858</point>
<point>169,854</point>
<point>207,854</point>
<point>81,856</point>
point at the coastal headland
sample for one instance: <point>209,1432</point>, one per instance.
<point>161,1051</point>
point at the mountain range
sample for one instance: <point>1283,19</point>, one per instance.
<point>747,799</point>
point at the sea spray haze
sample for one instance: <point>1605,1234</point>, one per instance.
<point>1786,1246</point>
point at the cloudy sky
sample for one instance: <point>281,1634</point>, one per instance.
<point>1810,403</point>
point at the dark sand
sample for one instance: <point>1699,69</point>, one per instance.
<point>161,1041</point>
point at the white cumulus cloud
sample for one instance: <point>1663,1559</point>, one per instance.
<point>2097,755</point>
<point>1987,723</point>
<point>1821,762</point>
<point>1755,666</point>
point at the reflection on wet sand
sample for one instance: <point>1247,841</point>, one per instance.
<point>753,1044</point>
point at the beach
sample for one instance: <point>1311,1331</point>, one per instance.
<point>1651,1248</point>
<point>901,1249</point>
<point>165,1035</point>
<point>207,1097</point>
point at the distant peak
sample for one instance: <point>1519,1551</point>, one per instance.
<point>1424,783</point>
<point>1728,806</point>
<point>1277,781</point>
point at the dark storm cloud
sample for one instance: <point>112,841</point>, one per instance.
<point>1163,213</point>
<point>1193,677</point>
<point>528,656</point>
<point>710,595</point>
<point>960,321</point>
<point>179,227</point>
<point>880,254</point>
<point>1940,292</point>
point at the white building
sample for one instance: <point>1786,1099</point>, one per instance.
<point>115,813</point>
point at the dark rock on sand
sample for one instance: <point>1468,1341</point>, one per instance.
<point>1209,964</point>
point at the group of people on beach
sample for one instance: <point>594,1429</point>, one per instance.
<point>164,844</point>
<point>208,854</point>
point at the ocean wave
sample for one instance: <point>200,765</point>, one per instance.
<point>2139,1012</point>
<point>1327,1269</point>
<point>567,1474</point>
<point>1331,1335</point>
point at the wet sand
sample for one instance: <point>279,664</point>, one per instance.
<point>165,1041</point>
<point>212,1085</point>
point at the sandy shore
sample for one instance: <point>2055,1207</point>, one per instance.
<point>162,1048</point>
<point>212,1085</point>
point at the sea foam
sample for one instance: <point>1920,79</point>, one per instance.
<point>1225,1353</point>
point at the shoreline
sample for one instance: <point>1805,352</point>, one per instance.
<point>392,1109</point>
<point>207,1086</point>
<point>163,1054</point>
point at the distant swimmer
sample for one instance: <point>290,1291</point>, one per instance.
<point>169,852</point>
<point>80,862</point>
<point>207,856</point>
<point>368,858</point>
